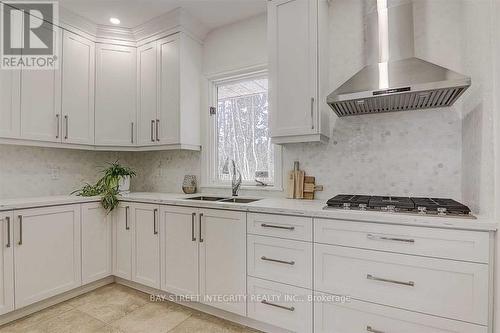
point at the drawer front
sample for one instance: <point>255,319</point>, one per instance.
<point>451,289</point>
<point>357,316</point>
<point>290,227</point>
<point>280,260</point>
<point>280,305</point>
<point>440,243</point>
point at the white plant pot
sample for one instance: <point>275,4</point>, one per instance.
<point>124,184</point>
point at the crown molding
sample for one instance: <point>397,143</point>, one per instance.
<point>177,20</point>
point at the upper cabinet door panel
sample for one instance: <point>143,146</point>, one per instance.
<point>115,95</point>
<point>41,102</point>
<point>169,112</point>
<point>293,66</point>
<point>78,68</point>
<point>147,94</point>
<point>9,103</point>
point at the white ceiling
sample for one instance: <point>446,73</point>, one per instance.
<point>213,13</point>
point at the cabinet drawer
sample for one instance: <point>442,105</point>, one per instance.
<point>291,227</point>
<point>280,260</point>
<point>441,243</point>
<point>451,289</point>
<point>357,316</point>
<point>280,305</point>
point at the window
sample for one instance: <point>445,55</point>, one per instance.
<point>240,130</point>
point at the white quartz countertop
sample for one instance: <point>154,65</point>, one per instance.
<point>309,208</point>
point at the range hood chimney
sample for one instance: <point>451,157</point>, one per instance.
<point>398,81</point>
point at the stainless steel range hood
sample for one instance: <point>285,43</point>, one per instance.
<point>399,81</point>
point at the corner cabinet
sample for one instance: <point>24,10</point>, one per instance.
<point>115,100</point>
<point>298,72</point>
<point>168,104</point>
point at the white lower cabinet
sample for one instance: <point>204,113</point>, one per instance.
<point>122,242</point>
<point>6,262</point>
<point>145,245</point>
<point>446,288</point>
<point>335,314</point>
<point>180,270</point>
<point>222,259</point>
<point>281,305</point>
<point>96,243</point>
<point>47,256</point>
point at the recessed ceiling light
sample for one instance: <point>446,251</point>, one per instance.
<point>114,20</point>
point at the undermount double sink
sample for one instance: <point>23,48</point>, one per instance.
<point>223,199</point>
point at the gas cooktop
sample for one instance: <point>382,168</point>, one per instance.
<point>422,206</point>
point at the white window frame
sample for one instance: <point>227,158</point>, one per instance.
<point>210,164</point>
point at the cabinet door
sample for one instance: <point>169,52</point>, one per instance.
<point>116,89</point>
<point>292,28</point>
<point>47,257</point>
<point>169,110</point>
<point>222,258</point>
<point>147,95</point>
<point>146,245</point>
<point>78,68</point>
<point>179,250</point>
<point>96,242</point>
<point>6,263</point>
<point>122,242</point>
<point>41,102</point>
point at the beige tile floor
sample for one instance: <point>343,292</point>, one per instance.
<point>119,309</point>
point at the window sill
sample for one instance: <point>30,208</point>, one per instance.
<point>246,187</point>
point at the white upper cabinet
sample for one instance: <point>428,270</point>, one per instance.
<point>41,103</point>
<point>78,70</point>
<point>115,105</point>
<point>169,92</point>
<point>295,37</point>
<point>9,103</point>
<point>147,92</point>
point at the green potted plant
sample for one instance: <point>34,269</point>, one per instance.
<point>115,180</point>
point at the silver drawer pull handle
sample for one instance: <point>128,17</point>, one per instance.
<point>374,278</point>
<point>7,219</point>
<point>193,237</point>
<point>372,330</point>
<point>126,218</point>
<point>278,261</point>
<point>20,217</point>
<point>392,239</point>
<point>265,225</point>
<point>279,306</point>
<point>58,124</point>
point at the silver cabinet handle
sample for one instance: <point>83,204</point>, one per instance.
<point>67,125</point>
<point>158,130</point>
<point>391,239</point>
<point>312,112</point>
<point>152,131</point>
<point>193,237</point>
<point>374,278</point>
<point>127,227</point>
<point>132,132</point>
<point>20,217</point>
<point>7,219</point>
<point>291,308</point>
<point>155,228</point>
<point>278,261</point>
<point>372,330</point>
<point>58,124</point>
<point>265,225</point>
<point>199,235</point>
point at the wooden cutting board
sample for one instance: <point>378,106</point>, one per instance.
<point>309,187</point>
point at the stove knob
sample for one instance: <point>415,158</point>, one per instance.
<point>347,205</point>
<point>422,210</point>
<point>363,206</point>
<point>442,211</point>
